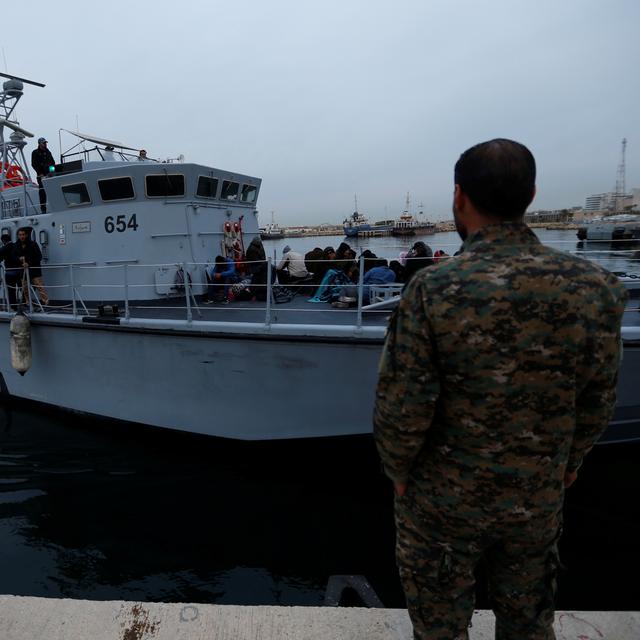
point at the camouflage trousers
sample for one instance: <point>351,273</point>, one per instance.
<point>437,558</point>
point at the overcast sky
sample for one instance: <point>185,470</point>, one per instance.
<point>323,100</point>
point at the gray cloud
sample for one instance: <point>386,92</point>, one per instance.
<point>327,99</point>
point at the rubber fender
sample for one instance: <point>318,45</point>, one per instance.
<point>20,342</point>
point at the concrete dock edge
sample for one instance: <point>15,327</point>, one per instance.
<point>27,618</point>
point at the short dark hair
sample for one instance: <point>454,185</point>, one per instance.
<point>498,176</point>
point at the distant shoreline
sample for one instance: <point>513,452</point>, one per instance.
<point>441,227</point>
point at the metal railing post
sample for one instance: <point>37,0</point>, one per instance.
<point>360,292</point>
<point>126,291</point>
<point>5,287</point>
<point>73,291</point>
<point>267,319</point>
<point>187,292</point>
<point>26,274</point>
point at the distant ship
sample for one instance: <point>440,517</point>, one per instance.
<point>408,225</point>
<point>272,231</point>
<point>358,225</point>
<point>624,227</point>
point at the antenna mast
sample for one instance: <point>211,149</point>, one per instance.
<point>12,159</point>
<point>621,186</point>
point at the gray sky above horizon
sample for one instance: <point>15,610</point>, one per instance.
<point>323,100</point>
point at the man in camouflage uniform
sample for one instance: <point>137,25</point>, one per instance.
<point>497,377</point>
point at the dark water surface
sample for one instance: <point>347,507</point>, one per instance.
<point>91,510</point>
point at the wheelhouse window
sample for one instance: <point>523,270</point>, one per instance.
<point>229,190</point>
<point>116,189</point>
<point>165,185</point>
<point>207,187</point>
<point>76,194</point>
<point>248,193</point>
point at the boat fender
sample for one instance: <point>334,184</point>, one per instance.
<point>230,237</point>
<point>20,342</point>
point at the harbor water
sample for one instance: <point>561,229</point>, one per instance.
<point>97,510</point>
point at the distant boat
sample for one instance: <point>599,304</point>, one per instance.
<point>358,225</point>
<point>408,225</point>
<point>355,224</point>
<point>623,227</point>
<point>271,232</point>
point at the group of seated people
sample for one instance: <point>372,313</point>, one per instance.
<point>327,275</point>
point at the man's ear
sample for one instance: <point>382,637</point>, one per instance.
<point>459,199</point>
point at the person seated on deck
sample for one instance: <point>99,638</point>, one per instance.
<point>142,156</point>
<point>345,256</point>
<point>379,274</point>
<point>335,283</point>
<point>439,255</point>
<point>256,267</point>
<point>398,269</point>
<point>221,276</point>
<point>313,262</point>
<point>370,259</point>
<point>419,257</point>
<point>291,269</point>
<point>108,154</point>
<point>345,252</point>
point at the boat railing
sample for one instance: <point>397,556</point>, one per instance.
<point>99,154</point>
<point>82,289</point>
<point>128,285</point>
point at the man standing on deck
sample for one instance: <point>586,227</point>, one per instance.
<point>497,377</point>
<point>42,161</point>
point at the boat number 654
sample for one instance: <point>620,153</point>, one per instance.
<point>120,223</point>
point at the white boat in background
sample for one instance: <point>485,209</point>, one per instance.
<point>408,225</point>
<point>272,231</point>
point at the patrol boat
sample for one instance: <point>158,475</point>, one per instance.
<point>126,244</point>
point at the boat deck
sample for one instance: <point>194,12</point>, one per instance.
<point>297,311</point>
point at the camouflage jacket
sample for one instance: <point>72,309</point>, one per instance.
<point>499,372</point>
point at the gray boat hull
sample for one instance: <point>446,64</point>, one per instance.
<point>229,386</point>
<point>262,387</point>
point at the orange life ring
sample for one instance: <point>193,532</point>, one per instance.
<point>13,176</point>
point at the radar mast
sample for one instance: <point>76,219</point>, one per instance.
<point>14,169</point>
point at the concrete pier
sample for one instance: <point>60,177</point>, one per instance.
<point>52,619</point>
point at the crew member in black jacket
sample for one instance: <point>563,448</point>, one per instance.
<point>25,254</point>
<point>41,160</point>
